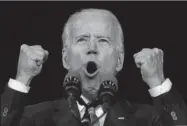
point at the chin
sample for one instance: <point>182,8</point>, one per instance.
<point>91,94</point>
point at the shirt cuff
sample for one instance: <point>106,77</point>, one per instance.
<point>18,86</point>
<point>161,89</point>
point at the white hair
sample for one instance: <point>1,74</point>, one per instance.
<point>66,31</point>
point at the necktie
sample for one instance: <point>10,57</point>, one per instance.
<point>90,118</point>
<point>93,118</point>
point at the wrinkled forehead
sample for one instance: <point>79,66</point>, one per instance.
<point>95,22</point>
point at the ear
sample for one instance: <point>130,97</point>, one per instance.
<point>120,61</point>
<point>65,59</point>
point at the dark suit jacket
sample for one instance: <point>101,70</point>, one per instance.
<point>168,109</point>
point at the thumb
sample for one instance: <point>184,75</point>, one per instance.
<point>46,55</point>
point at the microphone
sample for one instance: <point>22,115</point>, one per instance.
<point>108,90</point>
<point>72,85</point>
<point>72,89</point>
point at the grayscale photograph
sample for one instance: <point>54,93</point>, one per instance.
<point>93,63</point>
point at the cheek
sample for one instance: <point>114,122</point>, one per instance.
<point>108,59</point>
<point>75,57</point>
<point>105,53</point>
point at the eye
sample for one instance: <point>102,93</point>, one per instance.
<point>81,40</point>
<point>103,40</point>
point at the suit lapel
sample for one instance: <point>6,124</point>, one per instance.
<point>62,116</point>
<point>119,116</point>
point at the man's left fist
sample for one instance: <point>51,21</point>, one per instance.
<point>150,62</point>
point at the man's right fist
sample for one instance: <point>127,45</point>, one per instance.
<point>30,62</point>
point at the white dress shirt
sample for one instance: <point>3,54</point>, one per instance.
<point>154,92</point>
<point>98,111</point>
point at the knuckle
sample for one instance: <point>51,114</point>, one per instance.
<point>40,58</point>
<point>161,51</point>
<point>39,46</point>
<point>42,54</point>
<point>154,53</point>
<point>36,47</point>
<point>39,54</point>
<point>36,58</point>
<point>32,55</point>
<point>137,61</point>
<point>28,51</point>
<point>46,52</point>
<point>146,49</point>
<point>156,50</point>
<point>23,46</point>
<point>134,56</point>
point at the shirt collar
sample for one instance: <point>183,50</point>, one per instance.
<point>80,107</point>
<point>98,110</point>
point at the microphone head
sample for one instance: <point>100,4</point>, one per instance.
<point>108,89</point>
<point>109,80</point>
<point>72,84</point>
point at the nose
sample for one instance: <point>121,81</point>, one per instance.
<point>92,48</point>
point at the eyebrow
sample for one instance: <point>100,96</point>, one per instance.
<point>83,36</point>
<point>102,36</point>
<point>97,36</point>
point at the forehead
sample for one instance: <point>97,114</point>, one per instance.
<point>96,23</point>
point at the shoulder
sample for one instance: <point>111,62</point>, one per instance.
<point>145,113</point>
<point>43,107</point>
<point>139,110</point>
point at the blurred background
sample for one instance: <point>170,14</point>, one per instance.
<point>145,25</point>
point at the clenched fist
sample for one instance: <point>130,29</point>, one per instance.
<point>30,62</point>
<point>150,62</point>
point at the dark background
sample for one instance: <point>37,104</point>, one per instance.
<point>145,24</point>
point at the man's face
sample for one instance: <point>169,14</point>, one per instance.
<point>94,38</point>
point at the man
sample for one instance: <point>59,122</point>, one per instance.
<point>92,35</point>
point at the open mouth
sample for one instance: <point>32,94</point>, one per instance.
<point>91,69</point>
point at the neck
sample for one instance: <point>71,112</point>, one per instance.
<point>88,97</point>
<point>90,87</point>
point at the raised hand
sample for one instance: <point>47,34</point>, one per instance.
<point>31,59</point>
<point>150,62</point>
